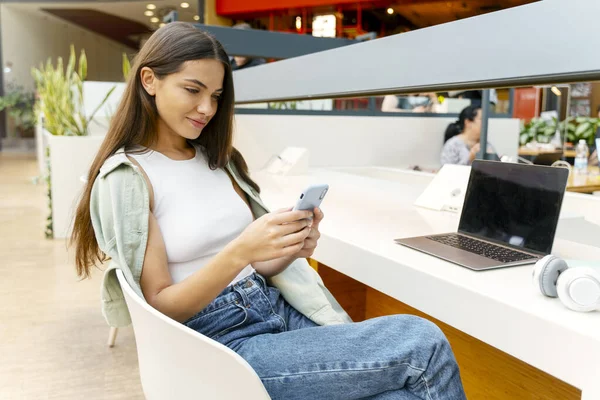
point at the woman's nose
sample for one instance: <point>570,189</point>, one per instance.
<point>205,107</point>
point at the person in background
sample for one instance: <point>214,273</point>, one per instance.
<point>422,102</point>
<point>475,96</point>
<point>240,62</point>
<point>461,140</point>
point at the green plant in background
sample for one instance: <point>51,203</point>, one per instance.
<point>61,96</point>
<point>583,128</point>
<point>126,66</point>
<point>542,131</point>
<point>20,108</point>
<point>537,130</point>
<point>283,105</point>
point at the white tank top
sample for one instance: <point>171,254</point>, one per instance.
<point>197,209</point>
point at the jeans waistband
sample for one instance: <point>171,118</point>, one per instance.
<point>248,284</point>
<point>237,292</point>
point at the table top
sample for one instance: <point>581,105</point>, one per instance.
<point>585,183</point>
<point>528,151</point>
<point>367,208</point>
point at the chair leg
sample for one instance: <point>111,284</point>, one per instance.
<point>112,336</point>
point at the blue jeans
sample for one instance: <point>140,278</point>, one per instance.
<point>394,357</point>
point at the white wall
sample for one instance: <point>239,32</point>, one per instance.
<point>93,94</point>
<point>29,37</point>
<point>358,141</point>
<point>70,159</point>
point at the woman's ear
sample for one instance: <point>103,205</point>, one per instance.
<point>148,80</point>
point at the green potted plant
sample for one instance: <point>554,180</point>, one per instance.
<point>537,130</point>
<point>542,131</point>
<point>61,95</point>
<point>584,128</point>
<point>66,144</point>
<point>20,108</point>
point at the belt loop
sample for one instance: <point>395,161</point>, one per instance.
<point>262,281</point>
<point>243,295</point>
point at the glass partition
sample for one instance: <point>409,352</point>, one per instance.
<point>434,104</point>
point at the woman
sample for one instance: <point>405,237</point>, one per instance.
<point>169,200</point>
<point>461,140</point>
<point>422,102</point>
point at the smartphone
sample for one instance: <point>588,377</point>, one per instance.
<point>311,197</point>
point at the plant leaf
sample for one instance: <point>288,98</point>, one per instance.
<point>101,103</point>
<point>83,65</point>
<point>126,66</point>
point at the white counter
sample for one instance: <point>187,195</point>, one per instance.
<point>366,208</point>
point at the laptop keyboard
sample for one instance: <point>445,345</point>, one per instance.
<point>481,248</point>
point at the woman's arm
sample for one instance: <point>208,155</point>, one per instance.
<point>455,152</point>
<point>594,158</point>
<point>390,104</point>
<point>274,236</point>
<point>182,300</point>
<point>273,267</point>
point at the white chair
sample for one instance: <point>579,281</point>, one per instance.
<point>177,362</point>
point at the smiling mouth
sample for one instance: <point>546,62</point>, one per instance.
<point>196,123</point>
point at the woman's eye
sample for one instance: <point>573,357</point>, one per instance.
<point>217,98</point>
<point>192,91</point>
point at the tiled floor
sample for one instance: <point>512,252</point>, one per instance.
<point>52,333</point>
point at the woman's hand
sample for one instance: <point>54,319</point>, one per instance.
<point>274,235</point>
<point>310,243</point>
<point>474,150</point>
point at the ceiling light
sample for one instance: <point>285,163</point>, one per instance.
<point>7,70</point>
<point>556,91</point>
<point>196,18</point>
<point>161,24</point>
<point>390,10</point>
<point>148,13</point>
<point>185,5</point>
<point>154,20</point>
<point>151,7</point>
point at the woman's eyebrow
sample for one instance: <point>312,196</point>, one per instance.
<point>197,82</point>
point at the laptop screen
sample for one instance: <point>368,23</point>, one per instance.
<point>514,204</point>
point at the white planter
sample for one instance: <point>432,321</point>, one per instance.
<point>70,158</point>
<point>40,146</point>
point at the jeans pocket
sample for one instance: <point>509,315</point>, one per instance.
<point>218,322</point>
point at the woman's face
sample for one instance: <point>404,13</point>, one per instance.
<point>186,100</point>
<point>473,128</point>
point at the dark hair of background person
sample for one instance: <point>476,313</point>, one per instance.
<point>455,128</point>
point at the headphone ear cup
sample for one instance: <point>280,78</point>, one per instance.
<point>546,273</point>
<point>579,289</point>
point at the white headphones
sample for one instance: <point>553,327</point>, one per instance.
<point>577,287</point>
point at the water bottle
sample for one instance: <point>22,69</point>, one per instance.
<point>581,157</point>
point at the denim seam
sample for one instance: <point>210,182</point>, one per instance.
<point>229,329</point>
<point>341,370</point>
<point>273,310</point>
<point>426,387</point>
<point>204,313</point>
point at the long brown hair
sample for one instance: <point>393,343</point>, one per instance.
<point>136,121</point>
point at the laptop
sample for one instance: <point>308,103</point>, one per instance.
<point>509,217</point>
<point>548,157</point>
